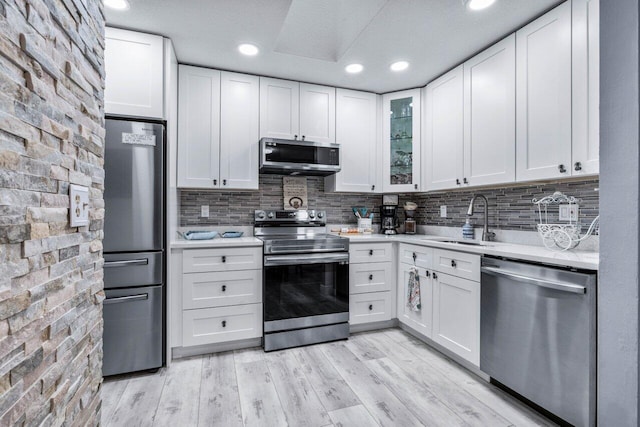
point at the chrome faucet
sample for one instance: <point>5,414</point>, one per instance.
<point>486,234</point>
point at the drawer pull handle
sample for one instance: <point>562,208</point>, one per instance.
<point>224,182</point>
<point>577,166</point>
<point>562,169</point>
<point>453,263</point>
<point>371,277</point>
<point>224,258</point>
<point>373,187</point>
<point>457,181</point>
<point>414,257</point>
<point>215,182</point>
<point>224,323</point>
<point>370,307</point>
<point>224,288</point>
<point>427,273</point>
<point>370,252</point>
<point>435,276</point>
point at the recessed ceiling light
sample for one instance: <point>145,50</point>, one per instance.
<point>353,68</point>
<point>479,4</point>
<point>399,66</point>
<point>117,4</point>
<point>248,49</point>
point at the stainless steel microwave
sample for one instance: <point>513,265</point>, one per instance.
<point>296,157</point>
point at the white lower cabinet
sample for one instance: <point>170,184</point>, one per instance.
<point>221,324</point>
<point>420,320</point>
<point>221,292</point>
<point>370,283</point>
<point>456,315</point>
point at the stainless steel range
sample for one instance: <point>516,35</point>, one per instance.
<point>306,279</point>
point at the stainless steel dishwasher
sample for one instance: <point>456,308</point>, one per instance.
<point>538,335</point>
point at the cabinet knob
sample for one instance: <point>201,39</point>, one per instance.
<point>577,166</point>
<point>373,187</point>
<point>371,277</point>
<point>370,307</point>
<point>453,263</point>
<point>435,276</point>
<point>295,136</point>
<point>370,252</point>
<point>415,186</point>
<point>224,323</point>
<point>562,169</point>
<point>215,182</point>
<point>427,273</point>
<point>224,288</point>
<point>224,258</point>
<point>464,180</point>
<point>224,182</point>
<point>303,137</point>
<point>457,181</point>
<point>414,256</point>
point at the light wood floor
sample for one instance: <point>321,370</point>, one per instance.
<point>385,378</point>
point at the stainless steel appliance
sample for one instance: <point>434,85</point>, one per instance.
<point>538,335</point>
<point>133,246</point>
<point>298,157</point>
<point>305,279</point>
<point>388,219</point>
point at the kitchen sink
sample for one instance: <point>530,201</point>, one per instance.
<point>459,242</point>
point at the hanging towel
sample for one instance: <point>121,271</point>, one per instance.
<point>413,290</point>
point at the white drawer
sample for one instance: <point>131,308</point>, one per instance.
<point>371,307</point>
<point>370,252</point>
<point>415,255</point>
<point>203,290</point>
<point>459,264</point>
<point>370,277</point>
<point>221,259</point>
<point>215,325</point>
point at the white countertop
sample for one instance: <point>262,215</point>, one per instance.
<point>574,258</point>
<point>218,242</point>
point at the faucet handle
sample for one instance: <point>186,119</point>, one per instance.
<point>490,236</point>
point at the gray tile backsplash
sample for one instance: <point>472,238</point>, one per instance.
<point>510,208</point>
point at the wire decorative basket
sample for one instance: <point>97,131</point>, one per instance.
<point>556,235</point>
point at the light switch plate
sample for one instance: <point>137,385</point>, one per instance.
<point>78,205</point>
<point>204,211</point>
<point>443,211</point>
<point>568,212</point>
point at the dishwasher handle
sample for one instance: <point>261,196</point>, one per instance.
<point>562,287</point>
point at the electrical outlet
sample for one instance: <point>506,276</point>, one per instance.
<point>443,211</point>
<point>568,213</point>
<point>204,211</point>
<point>78,205</point>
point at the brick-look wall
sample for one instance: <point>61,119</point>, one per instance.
<point>510,208</point>
<point>51,135</point>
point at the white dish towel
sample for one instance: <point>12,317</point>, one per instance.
<point>413,290</point>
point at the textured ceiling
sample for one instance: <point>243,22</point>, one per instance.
<point>313,40</point>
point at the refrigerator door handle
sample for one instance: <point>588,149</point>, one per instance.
<point>109,264</point>
<point>130,298</point>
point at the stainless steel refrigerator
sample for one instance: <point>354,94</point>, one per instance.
<point>134,254</point>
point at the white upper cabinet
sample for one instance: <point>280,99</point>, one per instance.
<point>198,127</point>
<point>543,96</point>
<point>317,113</point>
<point>443,131</point>
<point>490,115</point>
<point>279,108</point>
<point>401,141</point>
<point>356,132</point>
<point>217,129</point>
<point>134,74</point>
<point>586,91</point>
<point>293,110</point>
<point>239,123</point>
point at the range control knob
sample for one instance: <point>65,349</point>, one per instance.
<point>261,215</point>
<point>312,214</point>
<point>320,214</point>
<point>270,214</point>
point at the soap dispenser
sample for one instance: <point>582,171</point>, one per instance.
<point>467,230</point>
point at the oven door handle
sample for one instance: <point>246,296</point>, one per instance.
<point>270,261</point>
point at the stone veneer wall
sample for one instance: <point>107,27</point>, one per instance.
<point>51,135</point>
<point>510,208</point>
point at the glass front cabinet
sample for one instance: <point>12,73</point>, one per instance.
<point>401,141</point>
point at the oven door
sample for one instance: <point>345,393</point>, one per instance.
<point>305,290</point>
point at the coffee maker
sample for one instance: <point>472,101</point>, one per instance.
<point>389,220</point>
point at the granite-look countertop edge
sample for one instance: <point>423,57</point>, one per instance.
<point>574,258</point>
<point>218,242</point>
